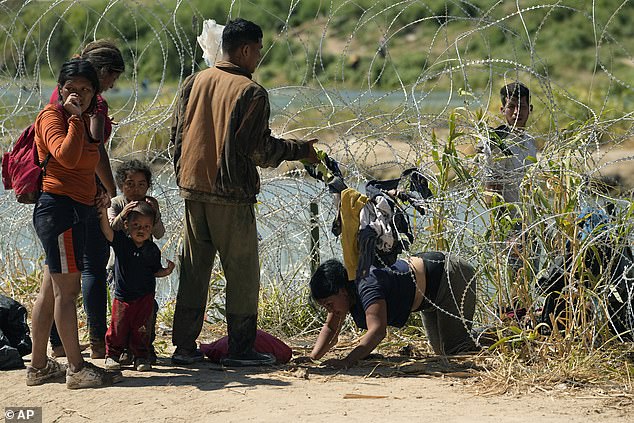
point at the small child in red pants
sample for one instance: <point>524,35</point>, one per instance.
<point>137,265</point>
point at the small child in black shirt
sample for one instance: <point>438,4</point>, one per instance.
<point>137,265</point>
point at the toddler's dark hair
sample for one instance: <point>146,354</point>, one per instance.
<point>143,208</point>
<point>132,166</point>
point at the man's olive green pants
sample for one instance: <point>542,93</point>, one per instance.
<point>230,231</point>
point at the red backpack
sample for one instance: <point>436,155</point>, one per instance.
<point>21,169</point>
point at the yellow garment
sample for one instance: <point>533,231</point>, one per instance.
<point>352,201</point>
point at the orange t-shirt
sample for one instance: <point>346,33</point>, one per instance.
<point>71,169</point>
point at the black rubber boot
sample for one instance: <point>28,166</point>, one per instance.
<point>242,331</point>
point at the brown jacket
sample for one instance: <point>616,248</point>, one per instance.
<point>221,133</point>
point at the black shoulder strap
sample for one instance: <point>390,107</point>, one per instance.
<point>44,163</point>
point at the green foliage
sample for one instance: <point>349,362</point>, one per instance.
<point>159,37</point>
<point>521,238</point>
<point>288,314</point>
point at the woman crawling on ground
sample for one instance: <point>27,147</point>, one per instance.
<point>440,285</point>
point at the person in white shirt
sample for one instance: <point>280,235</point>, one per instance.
<point>509,151</point>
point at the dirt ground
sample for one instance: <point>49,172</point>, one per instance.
<point>375,391</point>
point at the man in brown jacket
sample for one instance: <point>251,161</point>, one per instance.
<point>221,133</point>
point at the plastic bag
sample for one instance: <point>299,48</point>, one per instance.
<point>210,40</point>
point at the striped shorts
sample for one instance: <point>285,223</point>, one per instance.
<point>60,224</point>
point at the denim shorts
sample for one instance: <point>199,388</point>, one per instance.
<point>60,224</point>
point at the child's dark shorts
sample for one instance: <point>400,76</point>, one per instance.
<point>60,224</point>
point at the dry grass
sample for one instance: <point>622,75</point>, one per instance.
<point>608,374</point>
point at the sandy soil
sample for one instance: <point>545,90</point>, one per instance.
<point>206,392</point>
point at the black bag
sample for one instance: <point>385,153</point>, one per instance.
<point>15,336</point>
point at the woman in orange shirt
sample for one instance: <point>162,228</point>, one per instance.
<point>108,62</point>
<point>69,192</point>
